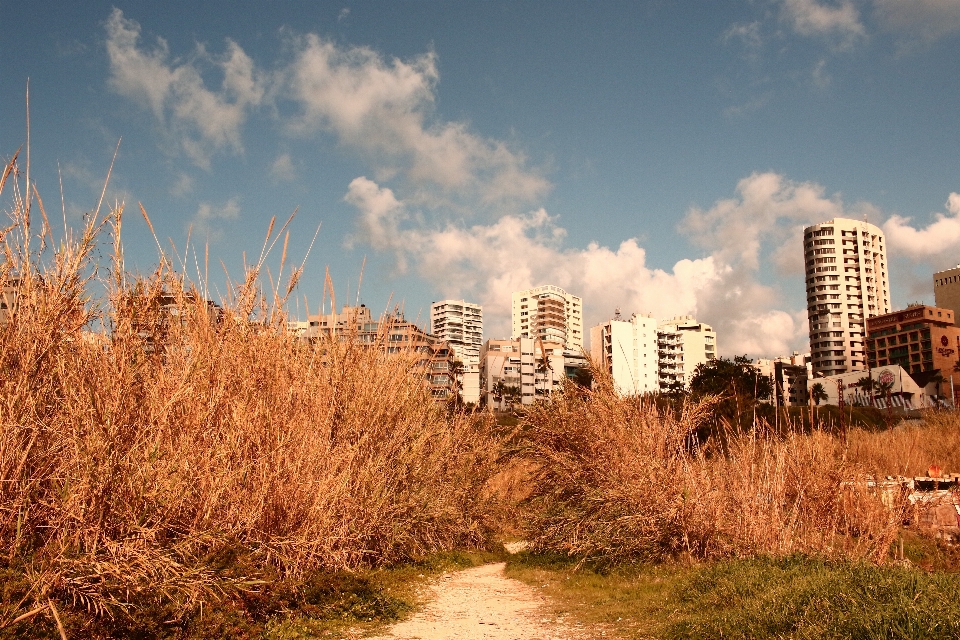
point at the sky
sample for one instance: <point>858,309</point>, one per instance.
<point>653,157</point>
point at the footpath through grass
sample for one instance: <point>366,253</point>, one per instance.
<point>795,597</point>
<point>318,605</point>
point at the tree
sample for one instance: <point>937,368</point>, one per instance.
<point>818,393</point>
<point>456,374</point>
<point>725,377</point>
<point>737,386</point>
<point>499,391</point>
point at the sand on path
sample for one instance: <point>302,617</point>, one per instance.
<point>483,604</point>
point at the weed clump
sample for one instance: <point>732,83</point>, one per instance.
<point>618,480</point>
<point>145,432</point>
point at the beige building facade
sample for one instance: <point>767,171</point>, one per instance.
<point>393,334</point>
<point>682,344</point>
<point>847,281</point>
<point>946,290</point>
<point>519,371</point>
<point>549,313</point>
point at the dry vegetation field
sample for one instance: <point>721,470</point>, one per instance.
<point>152,461</point>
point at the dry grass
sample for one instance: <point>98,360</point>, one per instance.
<point>910,448</point>
<point>134,441</point>
<point>619,481</point>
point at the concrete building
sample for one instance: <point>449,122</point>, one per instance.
<point>921,339</point>
<point>460,323</point>
<point>946,290</point>
<point>393,334</point>
<point>788,377</point>
<point>8,299</point>
<point>627,350</point>
<point>519,371</point>
<point>682,344</point>
<point>550,314</point>
<point>847,282</point>
<point>903,390</point>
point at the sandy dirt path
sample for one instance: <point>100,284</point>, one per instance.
<point>483,604</point>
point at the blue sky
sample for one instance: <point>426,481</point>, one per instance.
<point>654,156</point>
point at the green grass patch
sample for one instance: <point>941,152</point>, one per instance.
<point>317,605</point>
<point>797,597</point>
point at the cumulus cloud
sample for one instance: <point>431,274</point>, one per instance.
<point>209,219</point>
<point>767,208</point>
<point>200,120</point>
<point>282,169</point>
<point>486,262</point>
<point>938,240</point>
<point>812,18</point>
<point>383,108</point>
<point>918,21</point>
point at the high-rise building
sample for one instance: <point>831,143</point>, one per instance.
<point>549,313</point>
<point>847,282</point>
<point>946,289</point>
<point>627,350</point>
<point>460,324</point>
<point>682,344</point>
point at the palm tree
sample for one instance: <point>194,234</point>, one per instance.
<point>938,380</point>
<point>866,385</point>
<point>456,374</point>
<point>818,393</point>
<point>499,391</point>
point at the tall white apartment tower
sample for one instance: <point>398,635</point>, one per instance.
<point>847,282</point>
<point>549,313</point>
<point>627,350</point>
<point>460,324</point>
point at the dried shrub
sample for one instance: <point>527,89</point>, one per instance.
<point>619,480</point>
<point>143,429</point>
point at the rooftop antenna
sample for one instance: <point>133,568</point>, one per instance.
<point>362,267</point>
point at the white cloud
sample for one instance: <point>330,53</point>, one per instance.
<point>282,169</point>
<point>918,20</point>
<point>767,208</point>
<point>383,109</point>
<point>938,240</point>
<point>209,219</point>
<point>812,18</point>
<point>200,120</point>
<point>182,186</point>
<point>486,262</point>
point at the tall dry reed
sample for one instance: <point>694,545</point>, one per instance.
<point>142,430</point>
<point>618,480</point>
<point>911,448</point>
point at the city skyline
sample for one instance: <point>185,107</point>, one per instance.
<point>659,158</point>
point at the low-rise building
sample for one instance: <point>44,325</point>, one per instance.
<point>889,385</point>
<point>922,339</point>
<point>788,378</point>
<point>519,371</point>
<point>392,333</point>
<point>682,345</point>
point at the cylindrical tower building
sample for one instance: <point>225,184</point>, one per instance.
<point>847,282</point>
